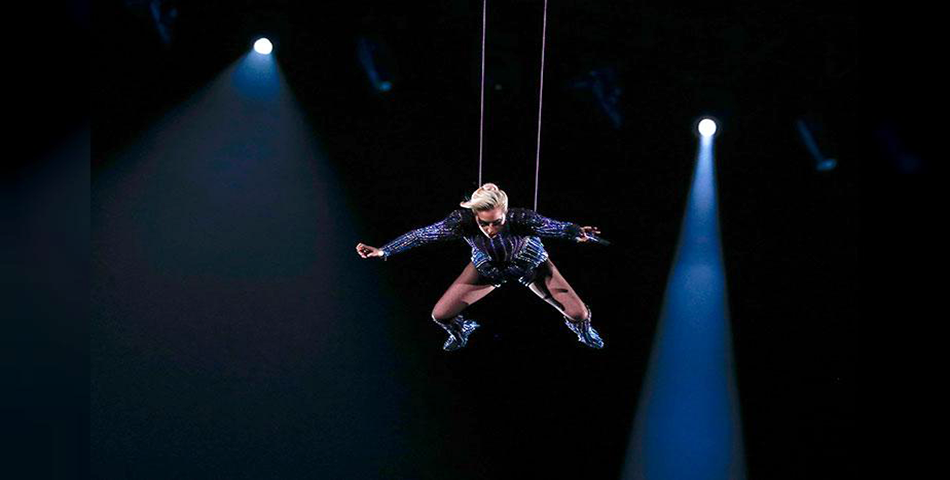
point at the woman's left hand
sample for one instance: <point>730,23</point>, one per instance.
<point>585,231</point>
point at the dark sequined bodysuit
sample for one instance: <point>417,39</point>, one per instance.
<point>512,254</point>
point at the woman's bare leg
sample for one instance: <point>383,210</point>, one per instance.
<point>467,289</point>
<point>551,286</point>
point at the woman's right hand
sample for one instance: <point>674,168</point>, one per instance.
<point>367,251</point>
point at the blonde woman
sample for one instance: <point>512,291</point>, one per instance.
<point>506,246</point>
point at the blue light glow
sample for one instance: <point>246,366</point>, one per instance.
<point>826,165</point>
<point>822,164</point>
<point>257,77</point>
<point>688,424</point>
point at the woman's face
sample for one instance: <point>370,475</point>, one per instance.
<point>490,221</point>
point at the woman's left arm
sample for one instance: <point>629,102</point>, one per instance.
<point>589,234</point>
<point>550,228</point>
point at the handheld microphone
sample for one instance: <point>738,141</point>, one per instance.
<point>598,240</point>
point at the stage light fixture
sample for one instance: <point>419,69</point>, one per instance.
<point>263,46</point>
<point>707,127</point>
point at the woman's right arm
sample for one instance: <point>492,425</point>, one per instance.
<point>446,229</point>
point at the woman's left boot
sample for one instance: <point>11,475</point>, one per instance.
<point>585,332</point>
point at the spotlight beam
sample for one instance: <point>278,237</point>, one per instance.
<point>688,425</point>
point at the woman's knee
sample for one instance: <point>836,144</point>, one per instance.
<point>577,313</point>
<point>438,315</point>
<point>442,313</point>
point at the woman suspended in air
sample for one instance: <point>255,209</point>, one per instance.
<point>506,246</point>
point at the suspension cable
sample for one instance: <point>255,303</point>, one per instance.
<point>537,159</point>
<point>481,120</point>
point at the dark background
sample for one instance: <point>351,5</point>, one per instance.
<point>525,398</point>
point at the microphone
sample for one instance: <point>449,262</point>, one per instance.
<point>597,239</point>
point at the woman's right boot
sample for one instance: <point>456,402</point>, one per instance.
<point>458,328</point>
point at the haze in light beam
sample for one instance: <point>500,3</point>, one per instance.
<point>688,425</point>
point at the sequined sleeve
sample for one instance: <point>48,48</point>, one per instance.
<point>546,227</point>
<point>447,229</point>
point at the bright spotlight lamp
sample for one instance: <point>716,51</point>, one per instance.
<point>707,127</point>
<point>263,46</point>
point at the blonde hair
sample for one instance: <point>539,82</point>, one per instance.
<point>487,197</point>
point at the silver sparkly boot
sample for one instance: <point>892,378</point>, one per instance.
<point>459,328</point>
<point>585,332</point>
